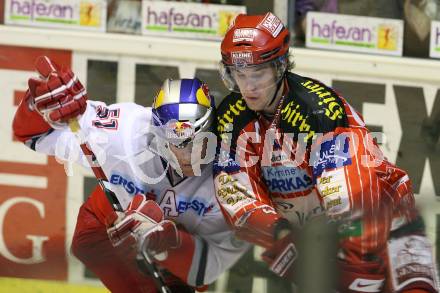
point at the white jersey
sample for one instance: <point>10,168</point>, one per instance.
<point>120,136</point>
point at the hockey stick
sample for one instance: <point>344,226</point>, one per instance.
<point>45,68</point>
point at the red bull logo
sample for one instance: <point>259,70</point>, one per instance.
<point>179,130</point>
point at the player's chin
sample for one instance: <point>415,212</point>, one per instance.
<point>255,103</point>
<point>187,170</point>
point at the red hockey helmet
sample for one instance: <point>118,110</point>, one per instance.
<point>253,40</point>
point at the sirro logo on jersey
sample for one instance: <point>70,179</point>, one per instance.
<point>292,115</point>
<point>227,119</point>
<point>326,99</point>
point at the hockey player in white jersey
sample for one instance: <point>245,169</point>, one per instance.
<point>152,157</point>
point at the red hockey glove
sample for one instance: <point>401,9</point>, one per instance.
<point>141,216</point>
<point>59,95</point>
<point>281,256</point>
<point>27,122</point>
<point>261,226</point>
<point>159,240</point>
<point>361,277</point>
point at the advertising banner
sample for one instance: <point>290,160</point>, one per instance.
<point>354,33</point>
<point>434,43</point>
<point>124,17</point>
<point>187,20</point>
<point>64,14</point>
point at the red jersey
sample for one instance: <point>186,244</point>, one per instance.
<point>314,156</point>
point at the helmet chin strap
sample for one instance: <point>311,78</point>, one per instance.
<point>277,90</point>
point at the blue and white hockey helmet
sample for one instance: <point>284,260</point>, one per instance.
<point>182,109</point>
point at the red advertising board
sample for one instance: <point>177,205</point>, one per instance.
<point>2,11</point>
<point>32,218</point>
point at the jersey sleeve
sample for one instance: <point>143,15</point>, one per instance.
<point>350,188</point>
<point>28,125</point>
<point>30,128</point>
<point>346,164</point>
<point>62,143</point>
<point>236,184</point>
<point>240,191</point>
<point>372,199</point>
<point>99,125</point>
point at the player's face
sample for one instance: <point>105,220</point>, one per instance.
<point>189,155</point>
<point>257,85</point>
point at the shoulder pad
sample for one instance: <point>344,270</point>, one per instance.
<point>233,114</point>
<point>312,107</point>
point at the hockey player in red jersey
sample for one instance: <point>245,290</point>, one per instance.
<point>292,146</point>
<point>151,157</point>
